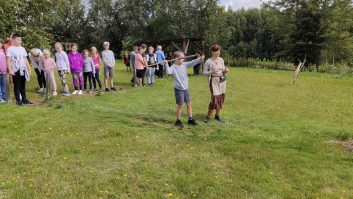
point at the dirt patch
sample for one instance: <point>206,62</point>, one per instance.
<point>348,144</point>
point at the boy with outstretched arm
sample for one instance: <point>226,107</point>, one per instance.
<point>181,85</point>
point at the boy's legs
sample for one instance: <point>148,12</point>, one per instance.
<point>189,109</point>
<point>178,111</point>
<point>16,86</point>
<point>23,88</point>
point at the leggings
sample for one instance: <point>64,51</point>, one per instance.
<point>40,78</point>
<point>96,79</point>
<point>62,75</point>
<point>78,80</point>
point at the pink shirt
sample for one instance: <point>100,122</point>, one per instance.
<point>97,61</point>
<point>3,64</point>
<point>139,62</point>
<point>48,64</point>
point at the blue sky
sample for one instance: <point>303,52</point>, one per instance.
<point>237,4</point>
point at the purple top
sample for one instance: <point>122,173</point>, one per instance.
<point>76,62</point>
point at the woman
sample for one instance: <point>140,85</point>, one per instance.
<point>216,70</point>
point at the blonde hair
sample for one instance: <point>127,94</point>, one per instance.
<point>46,51</point>
<point>178,54</point>
<point>106,43</point>
<point>35,51</point>
<point>94,49</point>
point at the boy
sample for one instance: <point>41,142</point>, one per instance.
<point>19,68</point>
<point>181,85</point>
<point>109,63</point>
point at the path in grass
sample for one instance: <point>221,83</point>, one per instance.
<point>276,142</point>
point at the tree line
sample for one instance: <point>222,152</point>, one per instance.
<point>320,30</point>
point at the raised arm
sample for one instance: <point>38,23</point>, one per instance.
<point>193,62</point>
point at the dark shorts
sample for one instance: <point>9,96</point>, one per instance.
<point>181,96</point>
<point>140,73</point>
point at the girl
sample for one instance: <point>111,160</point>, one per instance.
<point>62,62</point>
<point>151,59</point>
<point>35,56</point>
<point>216,70</point>
<point>3,72</point>
<point>140,65</point>
<point>48,64</point>
<point>88,70</point>
<point>97,62</point>
<point>76,67</point>
<point>127,62</point>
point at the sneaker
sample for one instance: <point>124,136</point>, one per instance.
<point>179,124</point>
<point>107,90</point>
<point>66,94</point>
<point>41,90</point>
<point>19,103</point>
<point>75,92</point>
<point>192,122</point>
<point>27,102</point>
<point>113,89</point>
<point>55,93</point>
<point>206,120</point>
<point>80,92</point>
<point>218,118</point>
<point>2,101</point>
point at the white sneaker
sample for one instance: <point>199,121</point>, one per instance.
<point>41,90</point>
<point>75,92</point>
<point>80,92</point>
<point>55,93</point>
<point>2,101</point>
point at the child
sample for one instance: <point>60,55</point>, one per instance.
<point>63,64</point>
<point>76,67</point>
<point>151,59</point>
<point>19,68</point>
<point>140,65</point>
<point>97,62</point>
<point>89,70</point>
<point>109,63</point>
<point>35,56</point>
<point>181,85</point>
<point>127,61</point>
<point>3,72</point>
<point>48,64</point>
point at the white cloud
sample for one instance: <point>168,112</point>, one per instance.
<point>237,4</point>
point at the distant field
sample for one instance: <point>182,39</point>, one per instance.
<point>279,141</point>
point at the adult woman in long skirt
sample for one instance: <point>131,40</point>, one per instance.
<point>216,70</point>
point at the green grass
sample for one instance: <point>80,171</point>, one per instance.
<point>277,141</point>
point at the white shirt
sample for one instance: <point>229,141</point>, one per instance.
<point>18,57</point>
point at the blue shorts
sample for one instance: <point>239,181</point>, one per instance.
<point>182,96</point>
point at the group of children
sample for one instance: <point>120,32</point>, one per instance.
<point>148,64</point>
<point>14,62</point>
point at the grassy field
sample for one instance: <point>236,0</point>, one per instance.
<point>279,141</point>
